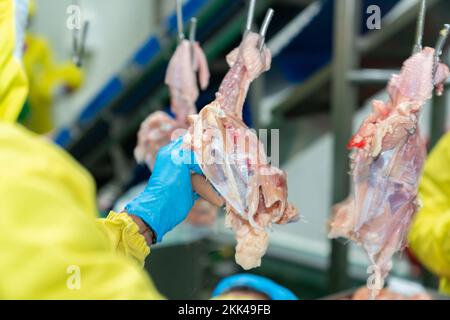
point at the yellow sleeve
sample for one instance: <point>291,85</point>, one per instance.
<point>124,235</point>
<point>51,244</point>
<point>429,237</point>
<point>13,81</point>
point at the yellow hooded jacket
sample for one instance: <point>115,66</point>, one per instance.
<point>429,236</point>
<point>51,244</point>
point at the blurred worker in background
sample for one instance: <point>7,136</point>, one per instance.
<point>429,237</point>
<point>47,79</point>
<point>52,246</point>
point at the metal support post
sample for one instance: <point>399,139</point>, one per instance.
<point>347,20</point>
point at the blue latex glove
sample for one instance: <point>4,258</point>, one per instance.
<point>256,283</point>
<point>168,196</point>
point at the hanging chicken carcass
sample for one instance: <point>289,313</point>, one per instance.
<point>386,164</point>
<point>159,129</point>
<point>234,161</point>
<point>181,77</point>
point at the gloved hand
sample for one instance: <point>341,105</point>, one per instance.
<point>169,195</point>
<point>256,283</point>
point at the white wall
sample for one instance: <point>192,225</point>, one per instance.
<point>117,30</point>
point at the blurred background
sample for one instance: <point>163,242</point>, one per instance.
<point>327,66</point>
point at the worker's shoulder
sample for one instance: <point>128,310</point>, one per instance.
<point>443,146</point>
<point>446,138</point>
<point>23,153</point>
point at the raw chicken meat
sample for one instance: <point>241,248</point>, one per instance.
<point>234,161</point>
<point>154,133</point>
<point>159,129</point>
<point>182,80</point>
<point>202,214</point>
<point>181,77</point>
<point>386,163</point>
<point>386,294</point>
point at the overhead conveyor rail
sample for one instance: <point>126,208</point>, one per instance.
<point>312,47</point>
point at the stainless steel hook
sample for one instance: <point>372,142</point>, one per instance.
<point>443,36</point>
<point>179,8</point>
<point>420,27</point>
<point>264,27</point>
<point>192,32</point>
<point>250,15</point>
<point>81,47</point>
<point>79,43</point>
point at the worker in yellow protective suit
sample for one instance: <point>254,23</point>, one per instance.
<point>429,237</point>
<point>47,79</point>
<point>52,246</point>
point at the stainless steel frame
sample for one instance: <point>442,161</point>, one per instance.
<point>347,19</point>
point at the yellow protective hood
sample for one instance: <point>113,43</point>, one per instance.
<point>13,81</point>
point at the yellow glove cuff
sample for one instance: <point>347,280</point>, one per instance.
<point>125,235</point>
